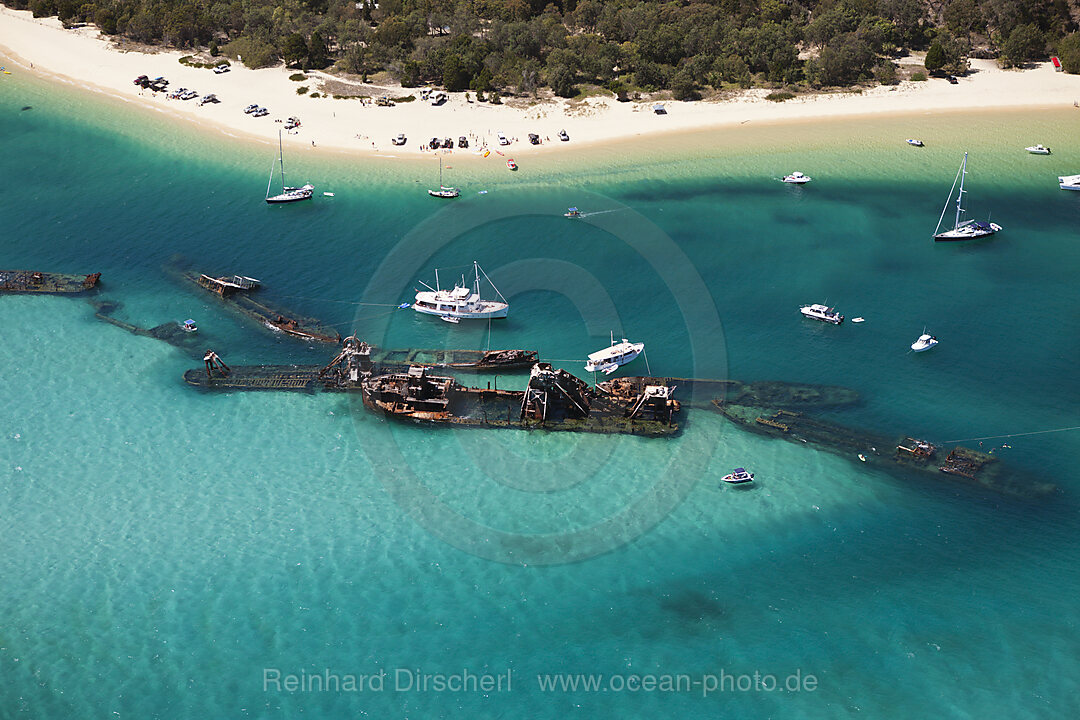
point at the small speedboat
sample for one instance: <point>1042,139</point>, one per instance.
<point>797,178</point>
<point>913,141</point>
<point>924,343</point>
<point>511,164</point>
<point>858,320</point>
<point>572,213</point>
<point>738,476</point>
<point>1038,150</point>
<point>452,319</point>
<point>189,326</point>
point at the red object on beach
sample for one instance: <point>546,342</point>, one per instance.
<point>1056,63</point>
<point>511,164</point>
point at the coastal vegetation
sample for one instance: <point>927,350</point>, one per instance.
<point>688,49</point>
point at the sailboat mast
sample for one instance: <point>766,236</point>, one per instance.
<point>281,160</point>
<point>440,171</point>
<point>960,195</point>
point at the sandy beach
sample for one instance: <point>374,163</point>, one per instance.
<point>85,58</point>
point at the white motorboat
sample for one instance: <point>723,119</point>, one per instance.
<point>452,319</point>
<point>572,213</point>
<point>288,194</point>
<point>463,302</point>
<point>611,358</point>
<point>924,343</point>
<point>913,141</point>
<point>1038,150</point>
<point>967,229</point>
<point>858,320</point>
<point>824,313</point>
<point>189,326</point>
<point>797,178</point>
<point>443,191</point>
<point>1069,182</point>
<point>738,476</point>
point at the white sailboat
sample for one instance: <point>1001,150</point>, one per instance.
<point>968,229</point>
<point>463,302</point>
<point>443,191</point>
<point>287,194</point>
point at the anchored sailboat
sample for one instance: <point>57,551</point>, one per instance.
<point>443,191</point>
<point>288,194</point>
<point>968,229</point>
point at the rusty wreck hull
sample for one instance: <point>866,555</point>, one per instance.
<point>32,281</point>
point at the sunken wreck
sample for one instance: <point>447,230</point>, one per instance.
<point>32,281</point>
<point>553,399</point>
<point>900,457</point>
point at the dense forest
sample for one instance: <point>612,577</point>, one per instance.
<point>517,46</point>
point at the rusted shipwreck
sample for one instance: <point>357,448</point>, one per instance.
<point>237,292</point>
<point>33,281</point>
<point>357,358</point>
<point>898,457</point>
<point>553,399</point>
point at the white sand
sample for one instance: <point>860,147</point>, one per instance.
<point>85,58</point>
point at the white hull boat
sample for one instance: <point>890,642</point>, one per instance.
<point>914,142</point>
<point>461,303</point>
<point>1038,150</point>
<point>824,313</point>
<point>924,343</point>
<point>612,358</point>
<point>963,229</point>
<point>1069,182</point>
<point>797,178</point>
<point>738,476</point>
<point>287,194</point>
<point>443,191</point>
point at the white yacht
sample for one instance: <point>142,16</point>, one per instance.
<point>967,229</point>
<point>1069,182</point>
<point>913,141</point>
<point>1038,150</point>
<point>738,476</point>
<point>824,313</point>
<point>610,358</point>
<point>797,178</point>
<point>924,343</point>
<point>463,302</point>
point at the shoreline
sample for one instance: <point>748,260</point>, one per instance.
<point>345,127</point>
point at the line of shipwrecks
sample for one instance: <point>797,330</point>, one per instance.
<point>419,386</point>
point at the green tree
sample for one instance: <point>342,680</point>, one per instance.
<point>294,50</point>
<point>318,57</point>
<point>1069,53</point>
<point>455,76</point>
<point>963,17</point>
<point>683,86</point>
<point>935,57</point>
<point>1025,43</point>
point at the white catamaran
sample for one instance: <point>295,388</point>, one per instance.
<point>968,229</point>
<point>463,302</point>
<point>287,194</point>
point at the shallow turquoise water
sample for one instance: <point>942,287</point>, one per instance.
<point>162,548</point>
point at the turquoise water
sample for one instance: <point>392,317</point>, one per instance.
<point>163,549</point>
